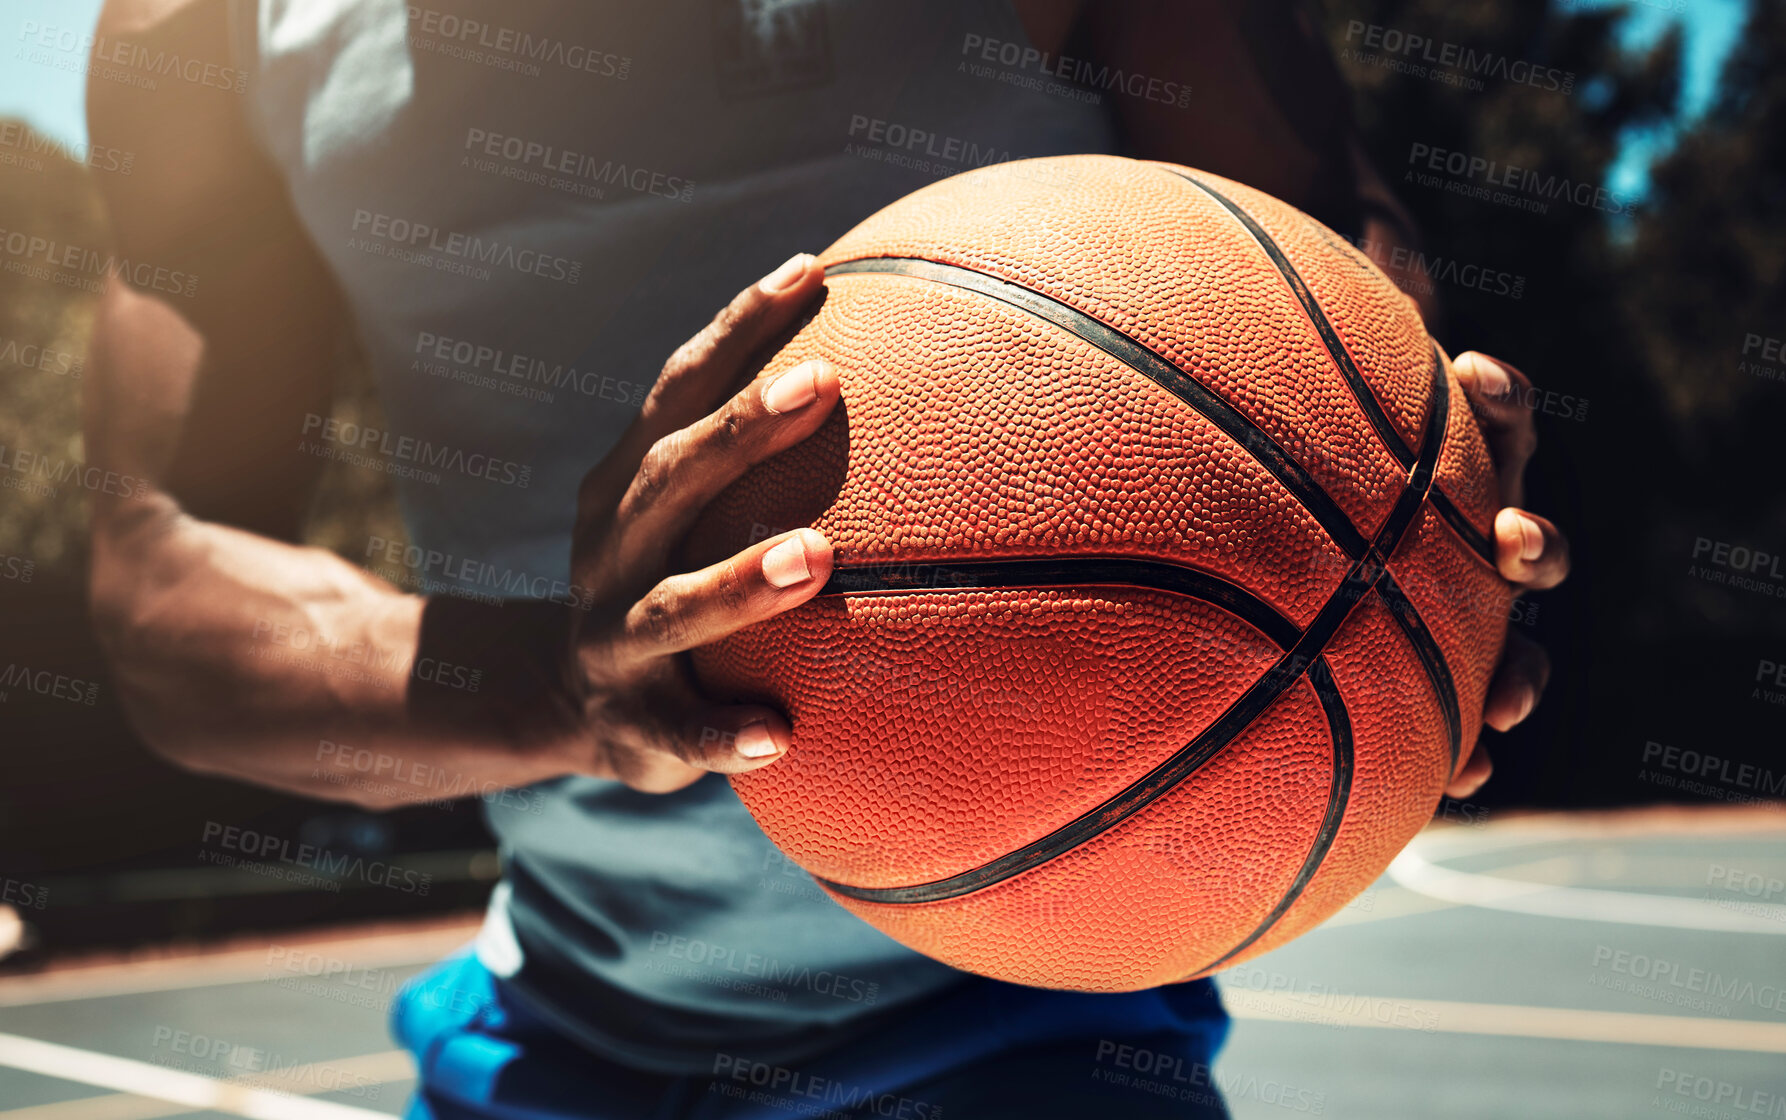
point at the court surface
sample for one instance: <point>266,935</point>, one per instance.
<point>1626,964</point>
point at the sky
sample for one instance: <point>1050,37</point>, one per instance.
<point>52,98</point>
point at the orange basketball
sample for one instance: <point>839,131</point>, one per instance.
<point>1164,604</point>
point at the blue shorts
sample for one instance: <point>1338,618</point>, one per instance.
<point>981,1049</point>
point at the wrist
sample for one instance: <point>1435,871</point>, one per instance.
<point>508,670</point>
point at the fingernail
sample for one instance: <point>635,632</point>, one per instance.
<point>794,389</point>
<point>791,270</point>
<point>1528,699</point>
<point>785,564</point>
<point>754,740</point>
<point>1491,378</point>
<point>1531,538</point>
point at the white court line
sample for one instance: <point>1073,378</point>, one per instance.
<point>126,1075</point>
<point>379,1069</point>
<point>1414,871</point>
<point>1625,1028</point>
<point>400,949</point>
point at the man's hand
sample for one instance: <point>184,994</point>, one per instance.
<point>647,725</point>
<point>1530,552</point>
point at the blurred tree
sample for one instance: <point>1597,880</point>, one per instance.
<point>1705,288</point>
<point>1637,308</point>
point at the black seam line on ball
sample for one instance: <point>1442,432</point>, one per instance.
<point>1476,540</point>
<point>1065,571</point>
<point>1432,658</point>
<point>1144,361</point>
<point>1339,792</point>
<point>1342,357</point>
<point>1360,578</point>
<point>1336,347</point>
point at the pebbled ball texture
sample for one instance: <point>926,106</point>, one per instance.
<point>942,723</point>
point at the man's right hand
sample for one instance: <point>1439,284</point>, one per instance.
<point>697,433</point>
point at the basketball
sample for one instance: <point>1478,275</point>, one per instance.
<point>1164,602</point>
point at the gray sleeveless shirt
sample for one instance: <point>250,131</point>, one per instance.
<point>528,205</point>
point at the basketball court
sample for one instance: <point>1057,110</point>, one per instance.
<point>1626,964</point>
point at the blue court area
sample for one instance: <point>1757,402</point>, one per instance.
<point>1628,964</point>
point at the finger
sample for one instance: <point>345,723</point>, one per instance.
<point>1477,770</point>
<point>1518,683</point>
<point>1529,550</point>
<point>734,739</point>
<point>1497,392</point>
<point>702,371</point>
<point>686,611</point>
<point>687,469</point>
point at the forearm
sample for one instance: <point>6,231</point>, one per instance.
<point>287,666</point>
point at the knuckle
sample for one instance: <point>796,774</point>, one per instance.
<point>730,317</point>
<point>731,590</point>
<point>662,619</point>
<point>743,307</point>
<point>731,428</point>
<point>687,358</point>
<point>655,469</point>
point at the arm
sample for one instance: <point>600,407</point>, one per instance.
<point>195,577</point>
